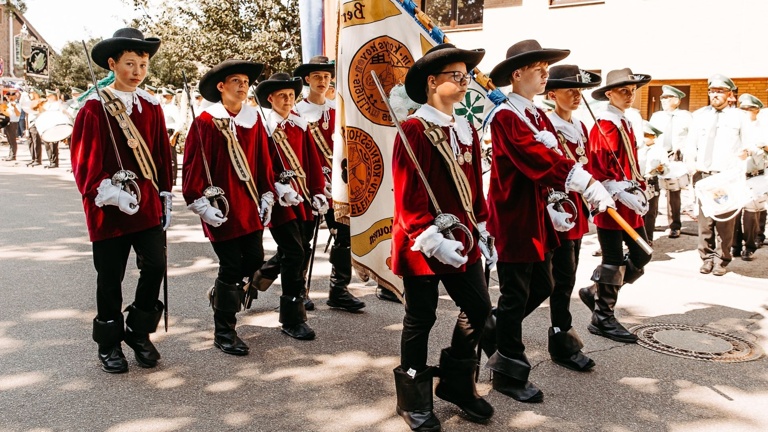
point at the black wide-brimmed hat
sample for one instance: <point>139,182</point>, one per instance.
<point>431,63</point>
<point>570,76</point>
<point>522,54</point>
<point>316,64</point>
<point>124,39</point>
<point>277,81</point>
<point>221,71</point>
<point>620,78</point>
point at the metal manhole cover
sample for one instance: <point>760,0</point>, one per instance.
<point>698,343</point>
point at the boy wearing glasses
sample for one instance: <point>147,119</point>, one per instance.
<point>448,151</point>
<point>527,165</point>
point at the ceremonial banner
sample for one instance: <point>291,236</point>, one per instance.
<point>37,63</point>
<point>381,36</point>
<point>312,28</point>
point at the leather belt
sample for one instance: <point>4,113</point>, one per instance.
<point>755,173</point>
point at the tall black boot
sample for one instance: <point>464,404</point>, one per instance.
<point>488,339</point>
<point>341,275</point>
<point>458,387</point>
<point>226,301</point>
<point>565,350</point>
<point>609,279</point>
<point>138,325</point>
<point>293,316</point>
<point>108,335</point>
<point>510,377</point>
<point>632,273</point>
<point>414,399</point>
<point>587,296</point>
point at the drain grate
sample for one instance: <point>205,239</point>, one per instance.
<point>698,343</point>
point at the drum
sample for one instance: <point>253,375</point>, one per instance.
<point>758,192</point>
<point>54,126</point>
<point>722,195</point>
<point>676,179</point>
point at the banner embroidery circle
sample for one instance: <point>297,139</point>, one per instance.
<point>365,170</point>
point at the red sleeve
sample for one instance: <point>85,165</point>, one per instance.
<point>193,171</point>
<point>479,207</point>
<point>414,208</point>
<point>265,178</point>
<point>87,152</point>
<point>313,166</point>
<point>603,146</point>
<point>163,152</point>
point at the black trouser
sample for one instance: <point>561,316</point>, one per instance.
<point>52,150</point>
<point>761,226</point>
<point>674,202</point>
<point>523,286</point>
<point>10,133</point>
<point>565,261</point>
<point>289,259</point>
<point>341,240</point>
<point>746,230</point>
<point>649,220</point>
<point>470,293</point>
<point>35,145</point>
<point>239,257</point>
<point>110,258</point>
<point>612,243</point>
<point>715,238</point>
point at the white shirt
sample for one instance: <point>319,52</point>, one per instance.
<point>715,139</point>
<point>674,125</point>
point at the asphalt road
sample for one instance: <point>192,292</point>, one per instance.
<point>50,378</point>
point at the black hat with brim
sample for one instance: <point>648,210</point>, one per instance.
<point>316,64</point>
<point>432,62</point>
<point>570,76</point>
<point>620,78</point>
<point>220,72</point>
<point>521,54</point>
<point>277,81</point>
<point>125,39</point>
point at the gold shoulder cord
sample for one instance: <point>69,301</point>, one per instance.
<point>281,139</point>
<point>322,144</point>
<point>116,109</point>
<point>630,155</point>
<point>436,136</point>
<point>237,156</point>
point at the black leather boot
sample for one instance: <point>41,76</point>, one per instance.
<point>293,316</point>
<point>414,399</point>
<point>458,387</point>
<point>341,274</point>
<point>386,295</point>
<point>108,335</point>
<point>587,296</point>
<point>510,377</point>
<point>488,339</point>
<point>604,321</point>
<point>565,350</point>
<point>226,301</point>
<point>632,273</point>
<point>138,325</point>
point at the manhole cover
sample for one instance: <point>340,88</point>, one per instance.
<point>696,343</point>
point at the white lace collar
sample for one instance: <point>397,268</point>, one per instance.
<point>274,120</point>
<point>613,115</point>
<point>572,131</point>
<point>312,111</point>
<point>459,125</point>
<point>245,118</point>
<point>129,98</point>
<point>520,105</point>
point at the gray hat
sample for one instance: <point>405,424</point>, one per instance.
<point>74,90</point>
<point>148,88</point>
<point>668,90</point>
<point>649,129</point>
<point>620,78</point>
<point>720,81</point>
<point>746,100</point>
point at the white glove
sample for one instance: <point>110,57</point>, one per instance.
<point>208,213</point>
<point>287,196</point>
<point>548,139</point>
<point>598,197</point>
<point>560,219</point>
<point>265,209</point>
<point>328,191</point>
<point>320,204</point>
<point>110,194</point>
<point>633,202</point>
<point>491,256</point>
<point>432,244</point>
<point>167,200</point>
<point>615,187</point>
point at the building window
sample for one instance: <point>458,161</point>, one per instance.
<point>449,14</point>
<point>562,3</point>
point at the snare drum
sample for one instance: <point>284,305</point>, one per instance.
<point>676,179</point>
<point>54,126</point>
<point>758,192</point>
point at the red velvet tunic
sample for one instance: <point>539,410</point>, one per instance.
<point>582,221</point>
<point>522,170</point>
<point>327,133</point>
<point>604,167</point>
<point>413,210</point>
<point>93,160</point>
<point>306,152</point>
<point>243,215</point>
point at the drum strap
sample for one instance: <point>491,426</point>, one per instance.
<point>281,140</point>
<point>436,135</point>
<point>322,144</point>
<point>237,156</point>
<point>116,109</point>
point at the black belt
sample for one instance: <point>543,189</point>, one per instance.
<point>755,173</point>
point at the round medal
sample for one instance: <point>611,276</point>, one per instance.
<point>580,151</point>
<point>583,160</point>
<point>460,159</point>
<point>132,143</point>
<point>123,125</point>
<point>325,125</point>
<point>468,156</point>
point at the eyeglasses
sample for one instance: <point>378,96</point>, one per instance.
<point>718,91</point>
<point>459,77</point>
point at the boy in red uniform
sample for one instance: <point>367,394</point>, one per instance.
<point>229,138</point>
<point>292,151</point>
<point>422,255</point>
<point>116,220</point>
<point>613,161</point>
<point>320,113</point>
<point>564,88</point>
<point>526,165</point>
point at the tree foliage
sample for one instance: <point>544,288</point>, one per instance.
<point>19,5</point>
<point>70,67</point>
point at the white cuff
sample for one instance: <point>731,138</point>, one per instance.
<point>578,179</point>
